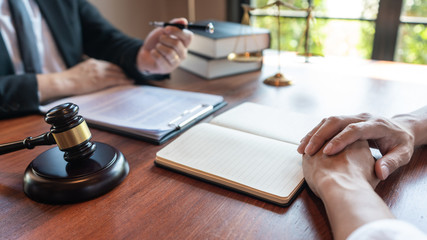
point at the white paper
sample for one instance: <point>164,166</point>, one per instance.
<point>144,110</point>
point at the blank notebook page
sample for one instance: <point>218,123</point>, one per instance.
<point>237,159</point>
<point>267,121</point>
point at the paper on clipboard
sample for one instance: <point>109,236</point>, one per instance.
<point>146,111</point>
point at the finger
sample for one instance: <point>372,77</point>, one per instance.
<point>326,129</point>
<point>341,140</point>
<point>184,35</point>
<point>179,21</point>
<point>175,44</point>
<point>353,132</point>
<point>331,127</point>
<point>161,64</point>
<point>381,170</point>
<point>304,141</point>
<point>169,54</point>
<point>399,156</point>
<point>386,165</point>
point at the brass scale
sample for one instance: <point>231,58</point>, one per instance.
<point>277,79</point>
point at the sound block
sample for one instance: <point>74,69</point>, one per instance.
<point>51,179</point>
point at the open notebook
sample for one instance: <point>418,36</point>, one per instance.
<point>250,148</point>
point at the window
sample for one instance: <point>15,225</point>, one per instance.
<point>355,28</point>
<point>412,36</point>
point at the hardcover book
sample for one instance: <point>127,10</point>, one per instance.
<point>228,37</point>
<point>211,68</point>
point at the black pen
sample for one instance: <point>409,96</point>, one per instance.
<point>208,27</point>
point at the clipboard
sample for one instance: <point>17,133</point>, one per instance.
<point>197,117</point>
<point>152,114</point>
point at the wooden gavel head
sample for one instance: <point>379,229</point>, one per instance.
<point>70,132</point>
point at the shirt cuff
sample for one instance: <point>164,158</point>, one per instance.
<point>387,229</point>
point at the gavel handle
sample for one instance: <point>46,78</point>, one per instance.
<point>28,143</point>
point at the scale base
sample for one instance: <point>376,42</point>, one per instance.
<point>51,179</point>
<point>278,80</point>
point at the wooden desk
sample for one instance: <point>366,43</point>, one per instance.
<point>153,203</point>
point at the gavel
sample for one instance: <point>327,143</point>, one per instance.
<point>69,131</point>
<point>74,171</point>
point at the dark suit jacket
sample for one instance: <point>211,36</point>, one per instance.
<point>78,29</point>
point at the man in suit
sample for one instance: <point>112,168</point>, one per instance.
<point>67,32</point>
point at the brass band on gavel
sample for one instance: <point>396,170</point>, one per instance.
<point>72,137</point>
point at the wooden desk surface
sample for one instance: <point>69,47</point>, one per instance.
<point>153,203</point>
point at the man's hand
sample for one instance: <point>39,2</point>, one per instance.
<point>88,76</point>
<point>393,137</point>
<point>351,167</point>
<point>345,182</point>
<point>164,49</point>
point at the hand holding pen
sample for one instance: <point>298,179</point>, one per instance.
<point>208,27</point>
<point>164,49</point>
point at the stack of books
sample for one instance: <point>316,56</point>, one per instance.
<point>207,56</point>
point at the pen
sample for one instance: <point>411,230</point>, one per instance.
<point>188,115</point>
<point>208,27</point>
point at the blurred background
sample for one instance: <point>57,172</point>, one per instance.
<point>370,29</point>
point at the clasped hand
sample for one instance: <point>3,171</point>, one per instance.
<point>350,169</point>
<point>393,137</point>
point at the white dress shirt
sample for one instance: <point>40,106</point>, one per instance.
<point>387,229</point>
<point>51,60</point>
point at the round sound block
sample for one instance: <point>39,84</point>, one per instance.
<point>51,179</point>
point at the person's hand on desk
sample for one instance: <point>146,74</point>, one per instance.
<point>345,182</point>
<point>395,137</point>
<point>88,76</point>
<point>164,48</point>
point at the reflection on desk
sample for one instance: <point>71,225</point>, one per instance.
<point>153,203</point>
